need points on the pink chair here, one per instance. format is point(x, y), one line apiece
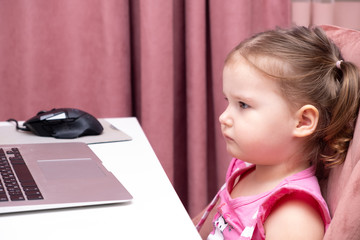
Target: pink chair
point(343, 187)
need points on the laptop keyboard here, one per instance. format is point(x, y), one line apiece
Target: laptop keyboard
point(16, 181)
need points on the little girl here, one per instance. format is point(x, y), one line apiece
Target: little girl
point(292, 105)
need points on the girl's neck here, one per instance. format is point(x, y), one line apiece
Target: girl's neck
point(276, 173)
point(264, 178)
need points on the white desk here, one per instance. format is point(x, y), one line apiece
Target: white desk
point(155, 212)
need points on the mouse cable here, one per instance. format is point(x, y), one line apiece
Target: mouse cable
point(17, 125)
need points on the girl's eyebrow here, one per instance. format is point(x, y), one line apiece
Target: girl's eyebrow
point(242, 97)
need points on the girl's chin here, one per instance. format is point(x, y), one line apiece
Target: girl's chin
point(233, 153)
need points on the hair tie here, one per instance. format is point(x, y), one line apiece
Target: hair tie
point(338, 64)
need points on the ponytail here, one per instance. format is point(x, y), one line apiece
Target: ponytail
point(339, 131)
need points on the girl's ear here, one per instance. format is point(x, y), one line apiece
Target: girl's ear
point(307, 118)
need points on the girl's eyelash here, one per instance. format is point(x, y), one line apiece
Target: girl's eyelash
point(243, 105)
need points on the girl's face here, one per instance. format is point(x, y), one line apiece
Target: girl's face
point(257, 123)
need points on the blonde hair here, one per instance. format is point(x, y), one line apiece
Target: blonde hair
point(306, 64)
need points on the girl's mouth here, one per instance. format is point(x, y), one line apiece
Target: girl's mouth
point(227, 138)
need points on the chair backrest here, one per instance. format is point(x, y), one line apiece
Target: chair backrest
point(343, 187)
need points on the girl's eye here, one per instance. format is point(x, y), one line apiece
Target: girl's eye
point(243, 105)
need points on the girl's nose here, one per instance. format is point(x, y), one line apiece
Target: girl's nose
point(225, 118)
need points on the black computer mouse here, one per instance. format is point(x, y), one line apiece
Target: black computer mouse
point(64, 123)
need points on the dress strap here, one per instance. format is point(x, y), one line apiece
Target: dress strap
point(209, 208)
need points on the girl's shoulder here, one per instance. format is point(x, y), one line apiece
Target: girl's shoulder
point(296, 217)
point(295, 204)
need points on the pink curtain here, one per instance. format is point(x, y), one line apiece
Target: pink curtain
point(343, 13)
point(159, 60)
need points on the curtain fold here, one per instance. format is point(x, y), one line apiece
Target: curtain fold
point(159, 60)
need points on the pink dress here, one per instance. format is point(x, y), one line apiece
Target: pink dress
point(244, 217)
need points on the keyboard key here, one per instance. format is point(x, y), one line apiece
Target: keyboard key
point(3, 198)
point(35, 197)
point(30, 188)
point(18, 197)
point(23, 173)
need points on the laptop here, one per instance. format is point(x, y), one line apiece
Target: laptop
point(44, 176)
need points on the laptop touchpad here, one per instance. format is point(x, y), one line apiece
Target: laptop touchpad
point(70, 168)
